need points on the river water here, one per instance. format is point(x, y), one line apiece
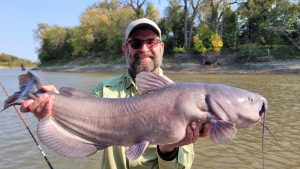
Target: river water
point(17, 149)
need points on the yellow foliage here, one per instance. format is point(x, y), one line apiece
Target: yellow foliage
point(216, 42)
point(198, 45)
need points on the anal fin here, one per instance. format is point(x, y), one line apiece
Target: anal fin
point(64, 142)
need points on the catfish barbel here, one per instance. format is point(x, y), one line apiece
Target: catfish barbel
point(81, 124)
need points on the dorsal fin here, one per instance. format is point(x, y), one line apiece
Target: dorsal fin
point(69, 91)
point(147, 82)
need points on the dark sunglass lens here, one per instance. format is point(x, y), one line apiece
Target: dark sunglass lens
point(151, 42)
point(136, 44)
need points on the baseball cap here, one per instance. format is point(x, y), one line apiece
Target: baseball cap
point(142, 22)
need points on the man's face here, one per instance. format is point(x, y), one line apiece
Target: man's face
point(143, 51)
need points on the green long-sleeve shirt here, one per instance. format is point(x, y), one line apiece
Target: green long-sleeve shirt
point(114, 157)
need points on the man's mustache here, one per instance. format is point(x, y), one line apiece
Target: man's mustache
point(142, 54)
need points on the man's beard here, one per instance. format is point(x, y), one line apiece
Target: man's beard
point(137, 66)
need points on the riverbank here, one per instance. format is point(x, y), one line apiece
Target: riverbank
point(274, 67)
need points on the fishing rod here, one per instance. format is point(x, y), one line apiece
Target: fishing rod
point(28, 129)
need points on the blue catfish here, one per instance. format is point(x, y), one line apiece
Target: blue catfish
point(81, 124)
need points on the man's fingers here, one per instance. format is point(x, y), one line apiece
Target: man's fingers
point(196, 131)
point(44, 108)
point(189, 135)
point(49, 88)
point(48, 106)
point(204, 130)
point(38, 102)
point(25, 105)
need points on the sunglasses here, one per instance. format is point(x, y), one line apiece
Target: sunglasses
point(138, 43)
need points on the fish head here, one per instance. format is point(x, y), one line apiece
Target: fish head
point(237, 106)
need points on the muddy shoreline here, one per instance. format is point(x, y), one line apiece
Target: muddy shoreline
point(274, 67)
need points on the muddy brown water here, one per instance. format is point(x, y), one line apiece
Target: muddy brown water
point(17, 149)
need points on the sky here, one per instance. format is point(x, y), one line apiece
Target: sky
point(19, 19)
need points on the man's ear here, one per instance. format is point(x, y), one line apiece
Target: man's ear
point(162, 47)
point(124, 50)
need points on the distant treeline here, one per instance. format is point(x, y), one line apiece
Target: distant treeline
point(13, 61)
point(254, 28)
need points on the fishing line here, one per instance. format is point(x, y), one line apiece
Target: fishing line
point(28, 129)
point(263, 140)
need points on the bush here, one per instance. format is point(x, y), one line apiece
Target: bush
point(216, 42)
point(6, 58)
point(179, 50)
point(198, 45)
point(256, 53)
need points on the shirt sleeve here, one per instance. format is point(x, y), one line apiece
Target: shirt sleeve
point(184, 159)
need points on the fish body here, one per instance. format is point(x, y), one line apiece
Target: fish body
point(81, 124)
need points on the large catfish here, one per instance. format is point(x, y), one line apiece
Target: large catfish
point(81, 124)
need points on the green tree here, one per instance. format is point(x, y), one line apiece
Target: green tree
point(136, 6)
point(191, 10)
point(13, 61)
point(205, 31)
point(206, 40)
point(152, 13)
point(254, 15)
point(55, 42)
point(102, 28)
point(198, 44)
point(229, 28)
point(172, 26)
point(284, 21)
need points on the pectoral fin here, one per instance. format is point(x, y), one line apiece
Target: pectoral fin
point(135, 151)
point(221, 131)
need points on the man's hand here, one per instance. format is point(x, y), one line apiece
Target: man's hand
point(192, 134)
point(42, 106)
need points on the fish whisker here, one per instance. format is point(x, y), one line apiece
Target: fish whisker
point(266, 127)
point(263, 139)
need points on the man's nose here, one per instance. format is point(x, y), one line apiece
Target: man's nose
point(144, 47)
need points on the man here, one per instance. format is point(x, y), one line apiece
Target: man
point(143, 49)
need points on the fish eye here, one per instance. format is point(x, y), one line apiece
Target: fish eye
point(250, 99)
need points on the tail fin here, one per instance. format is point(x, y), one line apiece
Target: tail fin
point(28, 84)
point(12, 100)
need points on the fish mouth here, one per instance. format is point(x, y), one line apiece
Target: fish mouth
point(262, 113)
point(263, 110)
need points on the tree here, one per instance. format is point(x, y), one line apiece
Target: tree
point(207, 40)
point(213, 11)
point(172, 26)
point(152, 13)
point(55, 42)
point(229, 28)
point(254, 15)
point(284, 17)
point(102, 27)
point(137, 6)
point(216, 42)
point(193, 7)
